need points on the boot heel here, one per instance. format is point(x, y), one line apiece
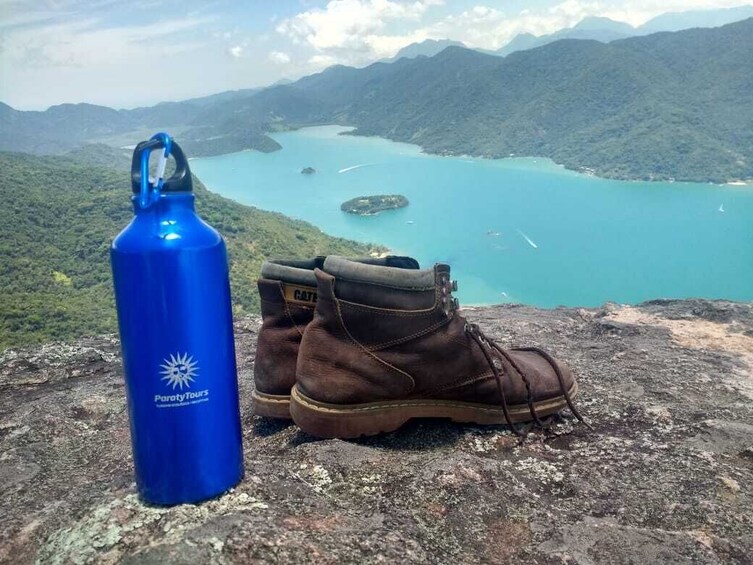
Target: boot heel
point(270, 405)
point(327, 421)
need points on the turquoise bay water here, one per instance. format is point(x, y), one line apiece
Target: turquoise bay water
point(513, 230)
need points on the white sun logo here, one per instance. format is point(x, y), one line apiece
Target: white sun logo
point(179, 370)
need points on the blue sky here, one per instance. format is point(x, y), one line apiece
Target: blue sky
point(139, 52)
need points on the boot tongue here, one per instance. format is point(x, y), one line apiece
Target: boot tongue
point(401, 262)
point(379, 286)
point(397, 261)
point(294, 272)
point(404, 278)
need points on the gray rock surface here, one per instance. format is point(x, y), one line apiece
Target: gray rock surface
point(667, 475)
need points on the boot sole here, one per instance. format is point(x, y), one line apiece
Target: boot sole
point(348, 421)
point(270, 405)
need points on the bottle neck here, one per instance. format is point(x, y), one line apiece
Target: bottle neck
point(168, 204)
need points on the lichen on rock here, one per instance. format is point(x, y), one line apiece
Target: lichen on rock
point(666, 475)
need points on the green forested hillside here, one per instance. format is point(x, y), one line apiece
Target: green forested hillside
point(668, 105)
point(57, 219)
point(656, 107)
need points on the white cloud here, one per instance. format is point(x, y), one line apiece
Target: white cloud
point(490, 28)
point(73, 50)
point(355, 30)
point(85, 43)
point(10, 19)
point(387, 45)
point(321, 61)
point(15, 13)
point(279, 58)
point(637, 12)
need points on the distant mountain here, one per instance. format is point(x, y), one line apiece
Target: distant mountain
point(598, 29)
point(58, 128)
point(669, 105)
point(426, 48)
point(64, 127)
point(604, 24)
point(58, 217)
point(520, 42)
point(606, 30)
point(223, 96)
point(662, 106)
point(676, 21)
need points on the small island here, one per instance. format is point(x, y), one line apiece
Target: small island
point(370, 205)
point(308, 171)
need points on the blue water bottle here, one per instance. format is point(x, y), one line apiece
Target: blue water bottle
point(172, 293)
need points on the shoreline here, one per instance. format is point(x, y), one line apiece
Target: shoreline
point(396, 238)
point(580, 171)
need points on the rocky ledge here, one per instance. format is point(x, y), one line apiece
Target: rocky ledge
point(666, 475)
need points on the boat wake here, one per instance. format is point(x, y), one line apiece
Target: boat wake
point(528, 239)
point(354, 167)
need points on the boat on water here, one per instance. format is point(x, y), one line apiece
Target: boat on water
point(528, 239)
point(721, 208)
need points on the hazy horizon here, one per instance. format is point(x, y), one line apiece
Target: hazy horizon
point(125, 56)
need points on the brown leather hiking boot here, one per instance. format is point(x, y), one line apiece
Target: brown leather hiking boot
point(388, 345)
point(288, 296)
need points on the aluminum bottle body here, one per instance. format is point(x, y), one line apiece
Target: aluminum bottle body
point(172, 293)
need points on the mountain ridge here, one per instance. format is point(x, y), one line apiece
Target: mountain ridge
point(425, 48)
point(593, 28)
point(677, 21)
point(645, 93)
point(617, 109)
point(606, 29)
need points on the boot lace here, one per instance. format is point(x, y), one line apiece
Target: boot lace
point(504, 364)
